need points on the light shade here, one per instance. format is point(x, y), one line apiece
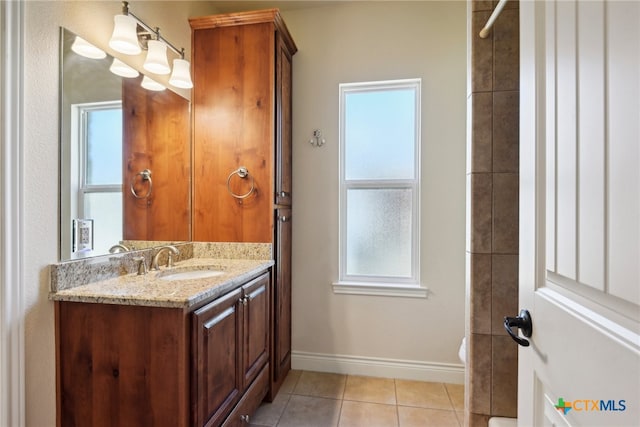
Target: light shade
point(156, 61)
point(181, 77)
point(86, 49)
point(151, 84)
point(119, 68)
point(125, 37)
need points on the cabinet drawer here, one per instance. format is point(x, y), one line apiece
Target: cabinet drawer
point(241, 415)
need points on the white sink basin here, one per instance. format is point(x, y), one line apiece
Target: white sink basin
point(190, 274)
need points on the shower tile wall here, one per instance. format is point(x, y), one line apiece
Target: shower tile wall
point(492, 222)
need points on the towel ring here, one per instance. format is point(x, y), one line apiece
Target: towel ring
point(145, 176)
point(242, 172)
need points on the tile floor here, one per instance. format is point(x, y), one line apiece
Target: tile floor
point(316, 399)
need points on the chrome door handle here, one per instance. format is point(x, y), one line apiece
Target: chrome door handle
point(522, 321)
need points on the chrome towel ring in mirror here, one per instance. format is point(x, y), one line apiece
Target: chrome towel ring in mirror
point(145, 176)
point(242, 172)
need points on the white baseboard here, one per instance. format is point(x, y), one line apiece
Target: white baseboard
point(451, 373)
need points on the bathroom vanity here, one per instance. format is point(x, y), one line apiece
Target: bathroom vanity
point(191, 350)
point(182, 346)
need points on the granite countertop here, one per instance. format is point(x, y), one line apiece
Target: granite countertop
point(151, 290)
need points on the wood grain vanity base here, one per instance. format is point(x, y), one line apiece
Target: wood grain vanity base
point(128, 365)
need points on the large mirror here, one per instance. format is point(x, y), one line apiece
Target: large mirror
point(124, 158)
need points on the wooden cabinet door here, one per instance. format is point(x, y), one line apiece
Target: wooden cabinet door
point(234, 126)
point(283, 124)
point(217, 377)
point(255, 304)
point(121, 365)
point(282, 297)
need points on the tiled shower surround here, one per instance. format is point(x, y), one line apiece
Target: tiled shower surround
point(492, 221)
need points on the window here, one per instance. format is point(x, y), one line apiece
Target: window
point(380, 188)
point(99, 173)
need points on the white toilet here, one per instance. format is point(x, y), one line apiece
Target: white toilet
point(462, 351)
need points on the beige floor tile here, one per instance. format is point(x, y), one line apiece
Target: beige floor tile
point(422, 394)
point(321, 384)
point(456, 394)
point(423, 417)
point(306, 411)
point(370, 389)
point(268, 414)
point(290, 381)
point(318, 399)
point(364, 414)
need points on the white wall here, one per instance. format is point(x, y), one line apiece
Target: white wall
point(367, 41)
point(94, 21)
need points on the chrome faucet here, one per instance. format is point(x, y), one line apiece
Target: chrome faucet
point(171, 251)
point(118, 248)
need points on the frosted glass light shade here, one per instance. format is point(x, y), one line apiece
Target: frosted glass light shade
point(119, 68)
point(151, 84)
point(125, 37)
point(86, 49)
point(181, 77)
point(156, 61)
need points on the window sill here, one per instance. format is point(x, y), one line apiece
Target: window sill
point(380, 289)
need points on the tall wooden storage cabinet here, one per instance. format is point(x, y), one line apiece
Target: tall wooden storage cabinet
point(242, 119)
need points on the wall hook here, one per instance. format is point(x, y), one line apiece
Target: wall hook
point(317, 140)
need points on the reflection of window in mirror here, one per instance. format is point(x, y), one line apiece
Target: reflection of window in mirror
point(97, 178)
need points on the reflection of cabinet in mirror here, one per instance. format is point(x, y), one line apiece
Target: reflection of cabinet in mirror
point(155, 138)
point(242, 117)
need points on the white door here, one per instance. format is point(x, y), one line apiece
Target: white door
point(580, 212)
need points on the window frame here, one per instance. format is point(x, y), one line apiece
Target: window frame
point(373, 284)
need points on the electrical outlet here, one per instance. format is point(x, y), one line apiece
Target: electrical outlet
point(82, 235)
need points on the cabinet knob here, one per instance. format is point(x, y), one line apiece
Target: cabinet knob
point(284, 218)
point(284, 194)
point(244, 418)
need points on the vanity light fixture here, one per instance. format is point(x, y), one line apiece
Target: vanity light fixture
point(150, 84)
point(181, 76)
point(131, 35)
point(86, 49)
point(125, 35)
point(121, 69)
point(156, 61)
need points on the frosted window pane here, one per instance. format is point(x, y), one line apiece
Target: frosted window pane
point(379, 134)
point(379, 232)
point(104, 147)
point(106, 211)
